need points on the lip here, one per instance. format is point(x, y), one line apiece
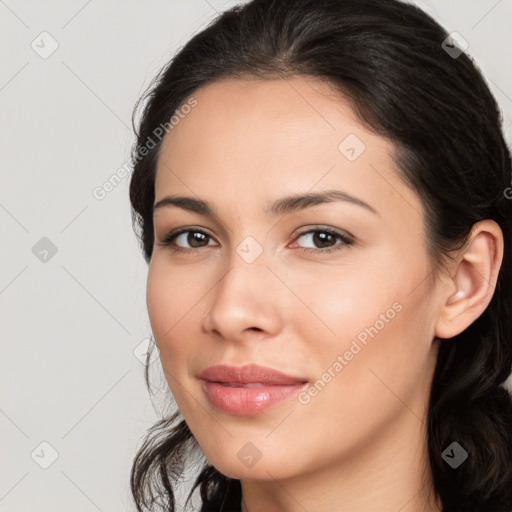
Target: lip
point(249, 389)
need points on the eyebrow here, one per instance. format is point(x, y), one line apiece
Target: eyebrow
point(281, 206)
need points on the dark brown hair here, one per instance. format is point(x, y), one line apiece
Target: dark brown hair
point(389, 60)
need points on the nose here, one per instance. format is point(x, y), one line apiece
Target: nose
point(245, 303)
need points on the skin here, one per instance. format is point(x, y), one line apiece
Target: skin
point(360, 441)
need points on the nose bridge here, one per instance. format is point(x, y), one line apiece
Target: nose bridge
point(244, 297)
point(246, 268)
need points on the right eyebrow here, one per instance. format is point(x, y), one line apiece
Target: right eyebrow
point(186, 203)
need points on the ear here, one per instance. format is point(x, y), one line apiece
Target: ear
point(472, 281)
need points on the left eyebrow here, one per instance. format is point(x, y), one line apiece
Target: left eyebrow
point(281, 206)
point(301, 201)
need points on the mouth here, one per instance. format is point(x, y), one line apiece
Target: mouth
point(249, 389)
point(248, 385)
point(249, 374)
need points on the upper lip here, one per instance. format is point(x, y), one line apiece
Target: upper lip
point(247, 374)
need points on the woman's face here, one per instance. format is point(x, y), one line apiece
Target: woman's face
point(335, 293)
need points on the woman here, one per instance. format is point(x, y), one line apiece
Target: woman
point(319, 191)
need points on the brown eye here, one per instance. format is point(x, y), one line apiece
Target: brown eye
point(187, 239)
point(323, 239)
point(194, 238)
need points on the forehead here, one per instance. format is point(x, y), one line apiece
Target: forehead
point(250, 140)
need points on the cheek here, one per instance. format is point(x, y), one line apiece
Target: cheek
point(372, 290)
point(370, 333)
point(341, 301)
point(383, 374)
point(170, 306)
point(170, 300)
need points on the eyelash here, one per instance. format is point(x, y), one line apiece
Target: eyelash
point(167, 241)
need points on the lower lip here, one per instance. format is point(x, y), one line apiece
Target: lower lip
point(248, 401)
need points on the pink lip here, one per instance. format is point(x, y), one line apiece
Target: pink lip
point(249, 389)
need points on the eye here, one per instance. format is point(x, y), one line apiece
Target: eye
point(325, 238)
point(195, 238)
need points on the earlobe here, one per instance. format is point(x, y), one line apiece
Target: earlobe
point(473, 278)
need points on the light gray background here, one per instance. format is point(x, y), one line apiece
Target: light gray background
point(69, 376)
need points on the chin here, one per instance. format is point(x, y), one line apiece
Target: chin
point(243, 465)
